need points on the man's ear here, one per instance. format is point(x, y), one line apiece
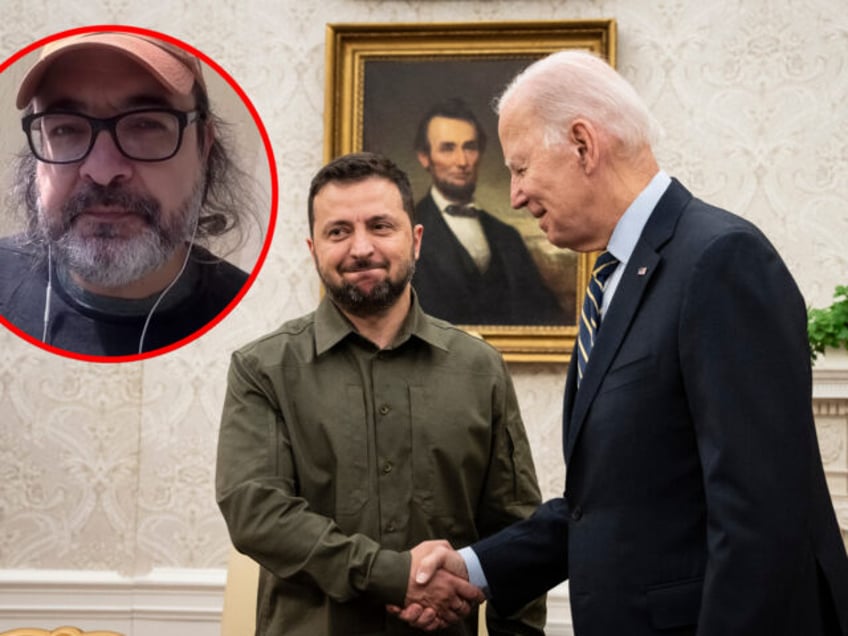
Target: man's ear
point(417, 233)
point(585, 140)
point(424, 159)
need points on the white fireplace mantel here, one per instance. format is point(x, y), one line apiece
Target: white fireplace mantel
point(830, 375)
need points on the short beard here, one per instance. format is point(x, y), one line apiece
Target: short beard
point(363, 305)
point(107, 259)
point(456, 193)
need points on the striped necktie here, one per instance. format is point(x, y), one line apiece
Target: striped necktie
point(590, 317)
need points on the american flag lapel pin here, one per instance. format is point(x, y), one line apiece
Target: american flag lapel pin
point(642, 271)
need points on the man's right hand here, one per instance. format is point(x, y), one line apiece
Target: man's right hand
point(438, 593)
point(438, 555)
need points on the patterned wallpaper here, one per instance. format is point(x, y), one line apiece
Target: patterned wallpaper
point(111, 466)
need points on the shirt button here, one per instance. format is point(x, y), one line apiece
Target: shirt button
point(576, 513)
point(387, 467)
point(384, 409)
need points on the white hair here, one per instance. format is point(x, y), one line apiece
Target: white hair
point(575, 83)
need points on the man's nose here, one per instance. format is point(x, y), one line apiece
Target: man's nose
point(105, 164)
point(361, 244)
point(517, 198)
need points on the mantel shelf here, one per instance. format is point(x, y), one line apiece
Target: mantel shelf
point(830, 375)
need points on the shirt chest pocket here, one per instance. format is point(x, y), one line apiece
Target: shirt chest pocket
point(451, 439)
point(329, 445)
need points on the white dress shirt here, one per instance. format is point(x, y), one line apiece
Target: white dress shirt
point(468, 230)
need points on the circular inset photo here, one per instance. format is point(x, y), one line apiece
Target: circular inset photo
point(142, 193)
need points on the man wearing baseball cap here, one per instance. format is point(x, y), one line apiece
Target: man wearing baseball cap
point(123, 181)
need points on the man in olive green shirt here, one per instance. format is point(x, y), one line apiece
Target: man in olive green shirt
point(356, 432)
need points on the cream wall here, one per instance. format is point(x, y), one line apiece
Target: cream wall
point(110, 467)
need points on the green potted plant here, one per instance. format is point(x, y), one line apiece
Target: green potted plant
point(828, 327)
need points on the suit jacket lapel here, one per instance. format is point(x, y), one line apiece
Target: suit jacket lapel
point(641, 268)
point(613, 329)
point(568, 404)
point(451, 257)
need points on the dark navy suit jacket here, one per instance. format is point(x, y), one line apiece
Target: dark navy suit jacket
point(695, 497)
point(451, 287)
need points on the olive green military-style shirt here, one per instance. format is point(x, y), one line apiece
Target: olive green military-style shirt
point(336, 457)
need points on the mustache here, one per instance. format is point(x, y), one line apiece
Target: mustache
point(96, 195)
point(362, 264)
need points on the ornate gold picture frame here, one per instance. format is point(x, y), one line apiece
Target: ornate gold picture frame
point(381, 79)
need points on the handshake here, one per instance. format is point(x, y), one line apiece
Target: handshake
point(438, 593)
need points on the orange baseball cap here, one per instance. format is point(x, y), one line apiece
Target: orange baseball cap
point(176, 69)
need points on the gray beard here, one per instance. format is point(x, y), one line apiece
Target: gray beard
point(108, 260)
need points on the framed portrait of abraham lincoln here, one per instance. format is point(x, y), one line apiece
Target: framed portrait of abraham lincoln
point(423, 95)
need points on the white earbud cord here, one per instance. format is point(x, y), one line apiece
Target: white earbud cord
point(168, 288)
point(47, 294)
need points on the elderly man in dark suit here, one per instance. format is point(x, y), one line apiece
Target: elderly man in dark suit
point(473, 268)
point(695, 498)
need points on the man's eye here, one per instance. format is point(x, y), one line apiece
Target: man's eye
point(55, 130)
point(383, 227)
point(146, 124)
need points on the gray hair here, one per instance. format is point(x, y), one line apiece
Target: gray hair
point(575, 83)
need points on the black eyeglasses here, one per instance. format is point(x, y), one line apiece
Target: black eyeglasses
point(150, 134)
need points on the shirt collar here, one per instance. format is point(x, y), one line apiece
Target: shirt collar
point(629, 227)
point(331, 327)
point(442, 202)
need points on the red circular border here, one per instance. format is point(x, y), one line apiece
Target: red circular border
point(272, 217)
